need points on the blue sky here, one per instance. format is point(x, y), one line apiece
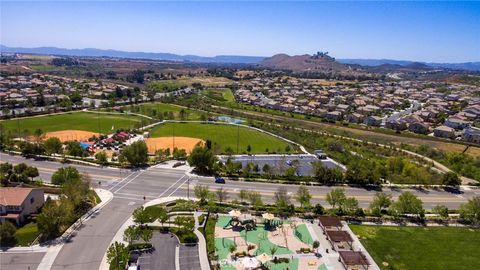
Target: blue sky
point(422, 31)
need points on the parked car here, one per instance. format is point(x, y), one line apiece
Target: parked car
point(178, 164)
point(219, 180)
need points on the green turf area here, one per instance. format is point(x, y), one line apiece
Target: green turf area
point(163, 110)
point(292, 265)
point(93, 122)
point(421, 248)
point(259, 237)
point(27, 234)
point(222, 245)
point(221, 95)
point(302, 233)
point(224, 136)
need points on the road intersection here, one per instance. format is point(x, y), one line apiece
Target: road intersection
point(132, 188)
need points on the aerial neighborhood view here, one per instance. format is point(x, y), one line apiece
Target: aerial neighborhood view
point(239, 135)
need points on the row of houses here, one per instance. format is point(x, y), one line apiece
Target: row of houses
point(417, 106)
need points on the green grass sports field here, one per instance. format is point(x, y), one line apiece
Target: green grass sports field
point(155, 109)
point(78, 120)
point(225, 136)
point(419, 248)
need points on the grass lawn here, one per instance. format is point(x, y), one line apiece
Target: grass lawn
point(303, 234)
point(77, 120)
point(421, 248)
point(221, 95)
point(225, 136)
point(149, 108)
point(26, 234)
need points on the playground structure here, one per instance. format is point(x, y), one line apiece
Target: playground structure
point(275, 238)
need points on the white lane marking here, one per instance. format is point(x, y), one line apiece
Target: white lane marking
point(129, 181)
point(131, 203)
point(128, 198)
point(171, 186)
point(177, 188)
point(121, 181)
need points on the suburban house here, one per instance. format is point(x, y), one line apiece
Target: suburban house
point(471, 135)
point(419, 127)
point(456, 123)
point(334, 116)
point(17, 203)
point(355, 118)
point(444, 132)
point(375, 121)
point(396, 124)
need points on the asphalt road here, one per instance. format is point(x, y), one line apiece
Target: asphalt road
point(87, 248)
point(430, 197)
point(20, 261)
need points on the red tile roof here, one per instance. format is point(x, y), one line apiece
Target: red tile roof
point(13, 195)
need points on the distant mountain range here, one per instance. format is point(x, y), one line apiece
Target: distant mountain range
point(134, 55)
point(472, 66)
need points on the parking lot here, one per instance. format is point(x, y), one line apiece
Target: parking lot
point(163, 256)
point(282, 162)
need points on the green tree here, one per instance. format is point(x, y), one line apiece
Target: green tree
point(255, 199)
point(64, 174)
point(350, 206)
point(470, 211)
point(146, 235)
point(31, 172)
point(54, 217)
point(185, 223)
point(131, 234)
point(142, 216)
point(441, 211)
point(101, 157)
point(336, 197)
point(117, 256)
point(7, 234)
point(136, 153)
point(282, 199)
point(77, 192)
point(303, 196)
point(202, 158)
point(381, 202)
point(407, 203)
point(451, 179)
point(267, 169)
point(74, 149)
point(202, 193)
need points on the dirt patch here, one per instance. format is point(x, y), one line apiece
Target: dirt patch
point(186, 143)
point(71, 135)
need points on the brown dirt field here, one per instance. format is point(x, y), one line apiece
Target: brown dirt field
point(71, 135)
point(186, 143)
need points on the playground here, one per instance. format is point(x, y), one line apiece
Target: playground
point(243, 241)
